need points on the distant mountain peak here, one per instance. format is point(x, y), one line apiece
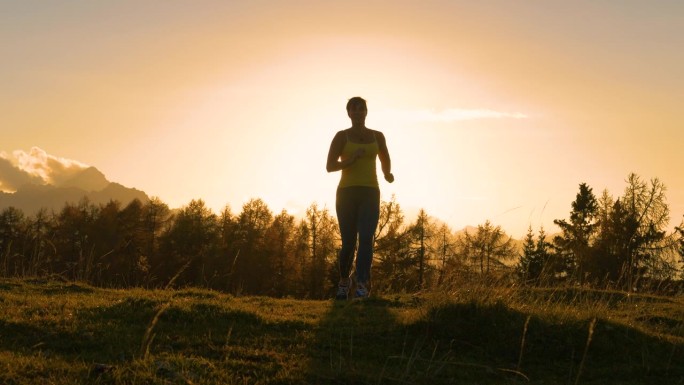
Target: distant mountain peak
point(90, 179)
point(89, 183)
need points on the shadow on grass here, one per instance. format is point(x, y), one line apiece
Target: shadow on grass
point(351, 340)
point(555, 350)
point(228, 344)
point(210, 338)
point(103, 333)
point(475, 343)
point(609, 298)
point(369, 342)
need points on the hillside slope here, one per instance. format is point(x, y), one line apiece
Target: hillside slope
point(69, 333)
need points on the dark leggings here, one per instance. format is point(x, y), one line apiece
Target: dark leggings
point(358, 211)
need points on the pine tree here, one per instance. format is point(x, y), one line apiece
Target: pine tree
point(576, 234)
point(544, 259)
point(536, 263)
point(527, 269)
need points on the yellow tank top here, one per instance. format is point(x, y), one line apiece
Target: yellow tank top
point(362, 172)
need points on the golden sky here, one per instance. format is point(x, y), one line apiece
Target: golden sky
point(492, 110)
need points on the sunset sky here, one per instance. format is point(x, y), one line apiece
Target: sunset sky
point(492, 109)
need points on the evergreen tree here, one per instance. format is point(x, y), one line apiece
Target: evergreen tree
point(536, 264)
point(574, 242)
point(545, 259)
point(528, 268)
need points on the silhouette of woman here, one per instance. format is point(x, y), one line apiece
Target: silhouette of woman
point(353, 151)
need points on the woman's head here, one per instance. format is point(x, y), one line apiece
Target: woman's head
point(355, 103)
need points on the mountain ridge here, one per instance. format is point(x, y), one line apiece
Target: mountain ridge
point(90, 184)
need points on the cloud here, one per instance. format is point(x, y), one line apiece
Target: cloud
point(447, 115)
point(35, 167)
point(455, 114)
point(12, 177)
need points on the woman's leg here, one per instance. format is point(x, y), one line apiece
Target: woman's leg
point(368, 215)
point(347, 218)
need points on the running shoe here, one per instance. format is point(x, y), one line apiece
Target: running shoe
point(342, 292)
point(361, 291)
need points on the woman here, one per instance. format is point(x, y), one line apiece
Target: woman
point(353, 151)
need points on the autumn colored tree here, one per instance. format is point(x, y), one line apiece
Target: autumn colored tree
point(392, 257)
point(12, 233)
point(680, 240)
point(229, 249)
point(446, 250)
point(108, 265)
point(189, 247)
point(133, 243)
point(416, 254)
point(487, 249)
point(156, 218)
point(302, 259)
point(646, 215)
point(253, 267)
point(605, 241)
point(73, 240)
point(280, 244)
point(629, 241)
point(324, 243)
point(39, 248)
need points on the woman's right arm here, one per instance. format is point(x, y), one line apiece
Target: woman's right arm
point(336, 146)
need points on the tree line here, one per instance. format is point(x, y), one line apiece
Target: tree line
point(609, 242)
point(618, 242)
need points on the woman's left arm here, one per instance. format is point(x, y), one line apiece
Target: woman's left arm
point(383, 154)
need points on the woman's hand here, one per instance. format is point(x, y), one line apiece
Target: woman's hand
point(389, 177)
point(354, 156)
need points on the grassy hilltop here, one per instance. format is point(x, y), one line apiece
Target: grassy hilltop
point(70, 333)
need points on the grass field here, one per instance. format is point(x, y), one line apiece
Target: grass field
point(70, 333)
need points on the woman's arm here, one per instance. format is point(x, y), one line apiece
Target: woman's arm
point(383, 155)
point(336, 146)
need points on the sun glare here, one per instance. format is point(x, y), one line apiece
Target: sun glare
point(277, 148)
